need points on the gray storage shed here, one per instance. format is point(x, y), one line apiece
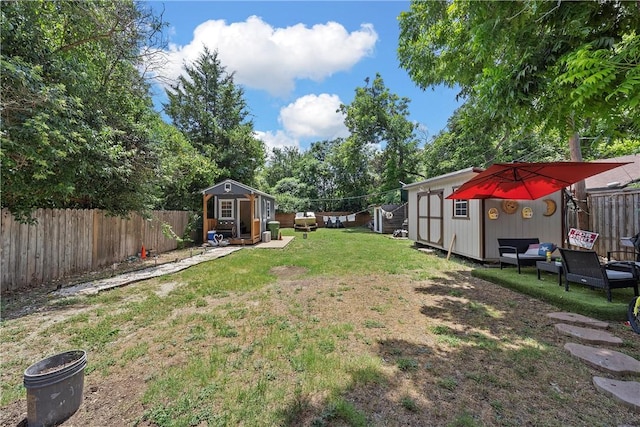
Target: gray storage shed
point(470, 228)
point(237, 211)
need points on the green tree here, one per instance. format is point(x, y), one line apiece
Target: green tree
point(472, 139)
point(377, 119)
point(183, 171)
point(350, 161)
point(319, 174)
point(291, 195)
point(302, 181)
point(604, 75)
point(75, 106)
point(489, 51)
point(282, 163)
point(210, 110)
point(521, 60)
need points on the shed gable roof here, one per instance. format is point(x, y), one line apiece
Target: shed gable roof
point(459, 174)
point(236, 188)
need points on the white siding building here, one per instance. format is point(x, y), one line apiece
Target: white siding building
point(471, 227)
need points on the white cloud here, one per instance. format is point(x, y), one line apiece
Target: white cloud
point(314, 116)
point(272, 59)
point(277, 139)
point(308, 117)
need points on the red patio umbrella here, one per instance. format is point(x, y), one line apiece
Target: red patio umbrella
point(527, 181)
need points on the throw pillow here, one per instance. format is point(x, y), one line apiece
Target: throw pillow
point(533, 249)
point(544, 247)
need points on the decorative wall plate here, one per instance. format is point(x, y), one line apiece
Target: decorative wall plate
point(551, 207)
point(493, 213)
point(527, 212)
point(510, 206)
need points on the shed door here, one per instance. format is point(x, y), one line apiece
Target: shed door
point(244, 217)
point(377, 220)
point(430, 219)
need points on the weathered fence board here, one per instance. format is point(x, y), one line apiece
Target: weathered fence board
point(63, 242)
point(612, 216)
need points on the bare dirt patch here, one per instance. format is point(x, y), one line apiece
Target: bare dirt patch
point(166, 288)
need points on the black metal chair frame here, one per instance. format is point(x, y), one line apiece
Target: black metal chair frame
point(584, 267)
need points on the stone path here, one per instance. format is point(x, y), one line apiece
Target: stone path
point(580, 319)
point(605, 359)
point(611, 361)
point(94, 287)
point(594, 336)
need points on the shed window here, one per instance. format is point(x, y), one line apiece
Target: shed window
point(226, 209)
point(268, 209)
point(460, 208)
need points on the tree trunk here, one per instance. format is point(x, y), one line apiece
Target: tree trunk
point(580, 186)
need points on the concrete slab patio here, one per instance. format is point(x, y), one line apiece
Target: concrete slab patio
point(274, 244)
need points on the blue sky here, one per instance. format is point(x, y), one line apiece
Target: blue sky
point(298, 60)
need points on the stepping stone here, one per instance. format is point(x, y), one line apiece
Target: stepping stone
point(602, 358)
point(578, 318)
point(594, 336)
point(626, 392)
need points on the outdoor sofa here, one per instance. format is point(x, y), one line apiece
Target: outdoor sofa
point(521, 252)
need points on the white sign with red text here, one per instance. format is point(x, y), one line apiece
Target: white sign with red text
point(581, 238)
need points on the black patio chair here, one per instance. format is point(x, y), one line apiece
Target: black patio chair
point(629, 242)
point(584, 267)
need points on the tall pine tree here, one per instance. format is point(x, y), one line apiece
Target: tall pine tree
point(210, 109)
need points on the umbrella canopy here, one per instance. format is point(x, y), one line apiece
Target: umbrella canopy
point(527, 181)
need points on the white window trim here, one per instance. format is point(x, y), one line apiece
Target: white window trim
point(220, 201)
point(455, 205)
point(268, 208)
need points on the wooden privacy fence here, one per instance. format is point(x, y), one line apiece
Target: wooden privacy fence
point(66, 241)
point(612, 216)
point(287, 219)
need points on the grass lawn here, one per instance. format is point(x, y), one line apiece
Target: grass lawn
point(346, 327)
point(580, 299)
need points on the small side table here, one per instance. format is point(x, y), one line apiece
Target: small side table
point(552, 267)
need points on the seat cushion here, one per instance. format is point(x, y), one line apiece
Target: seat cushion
point(617, 275)
point(532, 256)
point(526, 255)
